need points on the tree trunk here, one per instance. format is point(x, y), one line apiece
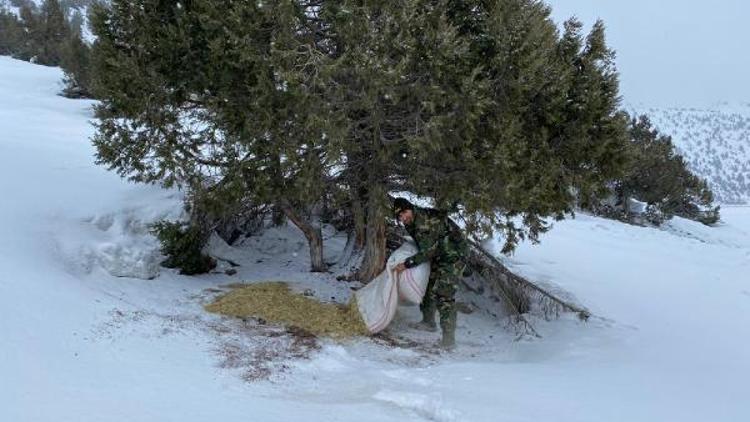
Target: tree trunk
point(312, 232)
point(347, 252)
point(355, 240)
point(316, 252)
point(277, 216)
point(277, 212)
point(373, 261)
point(358, 215)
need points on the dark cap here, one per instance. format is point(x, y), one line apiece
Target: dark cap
point(401, 204)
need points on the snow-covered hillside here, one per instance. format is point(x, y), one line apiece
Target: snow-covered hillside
point(716, 143)
point(668, 340)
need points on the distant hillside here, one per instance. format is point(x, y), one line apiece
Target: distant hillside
point(716, 143)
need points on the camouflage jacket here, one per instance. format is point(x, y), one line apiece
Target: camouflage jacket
point(436, 240)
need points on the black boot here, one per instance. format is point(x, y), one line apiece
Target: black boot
point(428, 309)
point(448, 326)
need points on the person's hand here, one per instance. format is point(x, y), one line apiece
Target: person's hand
point(399, 268)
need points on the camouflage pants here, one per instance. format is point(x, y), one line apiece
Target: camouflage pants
point(440, 294)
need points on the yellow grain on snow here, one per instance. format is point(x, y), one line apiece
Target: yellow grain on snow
point(274, 302)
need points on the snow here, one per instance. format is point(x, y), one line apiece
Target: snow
point(6, 5)
point(714, 141)
point(85, 340)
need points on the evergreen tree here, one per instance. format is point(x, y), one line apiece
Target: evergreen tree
point(394, 76)
point(43, 33)
point(214, 96)
point(480, 105)
point(75, 62)
point(11, 33)
point(32, 30)
point(53, 32)
point(659, 176)
point(46, 37)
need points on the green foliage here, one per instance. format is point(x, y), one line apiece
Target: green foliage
point(11, 33)
point(45, 36)
point(52, 31)
point(657, 175)
point(197, 86)
point(43, 31)
point(210, 96)
point(482, 105)
point(479, 105)
point(29, 46)
point(75, 62)
point(182, 243)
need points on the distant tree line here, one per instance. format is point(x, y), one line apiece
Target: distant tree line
point(47, 35)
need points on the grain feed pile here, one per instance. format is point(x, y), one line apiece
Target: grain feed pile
point(274, 302)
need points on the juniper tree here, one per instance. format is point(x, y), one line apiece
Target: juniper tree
point(31, 30)
point(481, 106)
point(11, 33)
point(658, 175)
point(383, 78)
point(75, 62)
point(43, 33)
point(551, 135)
point(53, 32)
point(214, 96)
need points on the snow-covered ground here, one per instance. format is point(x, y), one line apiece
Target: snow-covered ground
point(669, 340)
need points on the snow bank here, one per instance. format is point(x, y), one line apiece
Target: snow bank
point(119, 241)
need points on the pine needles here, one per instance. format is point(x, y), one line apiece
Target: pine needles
point(520, 296)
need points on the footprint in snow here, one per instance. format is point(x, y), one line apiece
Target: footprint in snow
point(427, 406)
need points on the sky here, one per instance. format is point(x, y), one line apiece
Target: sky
point(673, 52)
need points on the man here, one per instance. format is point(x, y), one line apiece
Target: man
point(444, 248)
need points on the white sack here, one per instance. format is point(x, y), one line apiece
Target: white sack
point(378, 300)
